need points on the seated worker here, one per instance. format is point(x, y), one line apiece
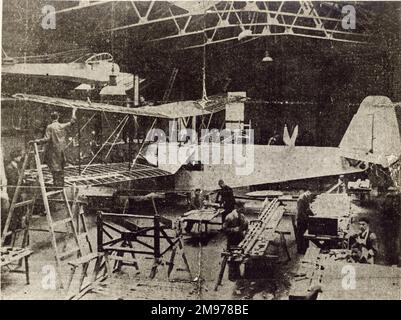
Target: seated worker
point(12, 171)
point(225, 197)
point(303, 213)
point(197, 202)
point(364, 244)
point(5, 202)
point(235, 227)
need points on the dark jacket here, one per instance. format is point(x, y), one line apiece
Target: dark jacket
point(12, 174)
point(303, 208)
point(235, 226)
point(225, 196)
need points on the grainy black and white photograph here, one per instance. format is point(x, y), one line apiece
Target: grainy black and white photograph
point(200, 150)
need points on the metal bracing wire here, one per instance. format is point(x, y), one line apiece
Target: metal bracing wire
point(117, 136)
point(104, 144)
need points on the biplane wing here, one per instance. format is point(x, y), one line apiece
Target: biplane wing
point(173, 110)
point(103, 174)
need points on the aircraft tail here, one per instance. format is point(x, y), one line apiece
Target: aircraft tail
point(290, 141)
point(374, 132)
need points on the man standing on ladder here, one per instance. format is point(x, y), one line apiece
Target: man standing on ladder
point(55, 138)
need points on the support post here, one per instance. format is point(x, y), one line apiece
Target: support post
point(136, 90)
point(99, 225)
point(79, 146)
point(156, 236)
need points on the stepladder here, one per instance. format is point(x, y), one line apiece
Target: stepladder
point(65, 239)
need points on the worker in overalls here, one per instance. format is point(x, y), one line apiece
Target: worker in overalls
point(235, 227)
point(13, 172)
point(5, 201)
point(225, 197)
point(364, 244)
point(303, 213)
point(55, 139)
point(391, 222)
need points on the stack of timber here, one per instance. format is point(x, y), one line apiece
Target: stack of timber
point(261, 234)
point(262, 231)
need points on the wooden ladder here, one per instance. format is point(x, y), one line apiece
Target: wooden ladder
point(47, 196)
point(89, 277)
point(81, 225)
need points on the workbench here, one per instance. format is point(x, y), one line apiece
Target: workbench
point(12, 256)
point(254, 250)
point(330, 271)
point(332, 206)
point(328, 242)
point(203, 217)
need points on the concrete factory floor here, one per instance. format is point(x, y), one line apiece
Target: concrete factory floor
point(204, 260)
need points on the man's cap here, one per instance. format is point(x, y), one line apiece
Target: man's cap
point(363, 219)
point(15, 153)
point(54, 115)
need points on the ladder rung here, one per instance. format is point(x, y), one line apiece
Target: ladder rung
point(62, 200)
point(61, 222)
point(23, 203)
point(84, 259)
point(46, 230)
point(122, 259)
point(68, 253)
point(51, 193)
point(129, 264)
point(119, 248)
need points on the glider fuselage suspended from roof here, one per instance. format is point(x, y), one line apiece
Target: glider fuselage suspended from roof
point(373, 136)
point(91, 69)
